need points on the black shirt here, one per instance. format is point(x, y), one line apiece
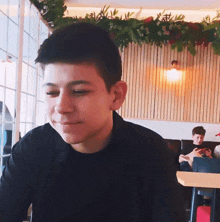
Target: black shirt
point(81, 188)
point(190, 147)
point(184, 166)
point(132, 179)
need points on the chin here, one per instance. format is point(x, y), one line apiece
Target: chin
point(197, 144)
point(71, 139)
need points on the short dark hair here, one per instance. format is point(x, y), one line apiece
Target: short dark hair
point(83, 43)
point(198, 130)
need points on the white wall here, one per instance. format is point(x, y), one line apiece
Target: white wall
point(178, 130)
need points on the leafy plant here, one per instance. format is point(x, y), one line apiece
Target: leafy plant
point(164, 29)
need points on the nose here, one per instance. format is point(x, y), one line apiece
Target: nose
point(64, 103)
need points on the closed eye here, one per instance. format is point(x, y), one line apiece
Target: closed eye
point(73, 93)
point(80, 92)
point(52, 93)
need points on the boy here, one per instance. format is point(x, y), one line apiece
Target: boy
point(87, 164)
point(196, 149)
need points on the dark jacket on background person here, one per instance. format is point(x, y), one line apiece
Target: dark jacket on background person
point(132, 179)
point(190, 147)
point(184, 166)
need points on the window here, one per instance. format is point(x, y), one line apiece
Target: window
point(21, 100)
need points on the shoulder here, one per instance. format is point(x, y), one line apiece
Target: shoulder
point(40, 134)
point(134, 133)
point(143, 136)
point(35, 141)
point(146, 149)
point(144, 144)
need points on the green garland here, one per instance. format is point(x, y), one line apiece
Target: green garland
point(165, 29)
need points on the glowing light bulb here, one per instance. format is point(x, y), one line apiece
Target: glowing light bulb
point(173, 75)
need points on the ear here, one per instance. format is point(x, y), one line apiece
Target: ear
point(118, 91)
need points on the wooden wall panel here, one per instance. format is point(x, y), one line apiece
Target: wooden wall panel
point(195, 97)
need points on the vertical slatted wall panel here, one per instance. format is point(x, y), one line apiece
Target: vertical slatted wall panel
point(196, 97)
point(217, 94)
point(139, 72)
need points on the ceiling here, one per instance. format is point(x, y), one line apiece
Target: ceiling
point(193, 10)
point(154, 4)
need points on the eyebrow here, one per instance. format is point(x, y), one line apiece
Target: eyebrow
point(73, 83)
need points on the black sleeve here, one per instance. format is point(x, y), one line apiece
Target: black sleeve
point(167, 198)
point(17, 182)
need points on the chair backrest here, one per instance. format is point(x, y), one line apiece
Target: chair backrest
point(206, 165)
point(186, 146)
point(174, 146)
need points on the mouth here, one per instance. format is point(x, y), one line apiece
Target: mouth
point(67, 127)
point(67, 123)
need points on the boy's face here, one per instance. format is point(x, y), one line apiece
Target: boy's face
point(78, 103)
point(197, 139)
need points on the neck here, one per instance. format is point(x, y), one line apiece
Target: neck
point(96, 142)
point(197, 144)
point(91, 146)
